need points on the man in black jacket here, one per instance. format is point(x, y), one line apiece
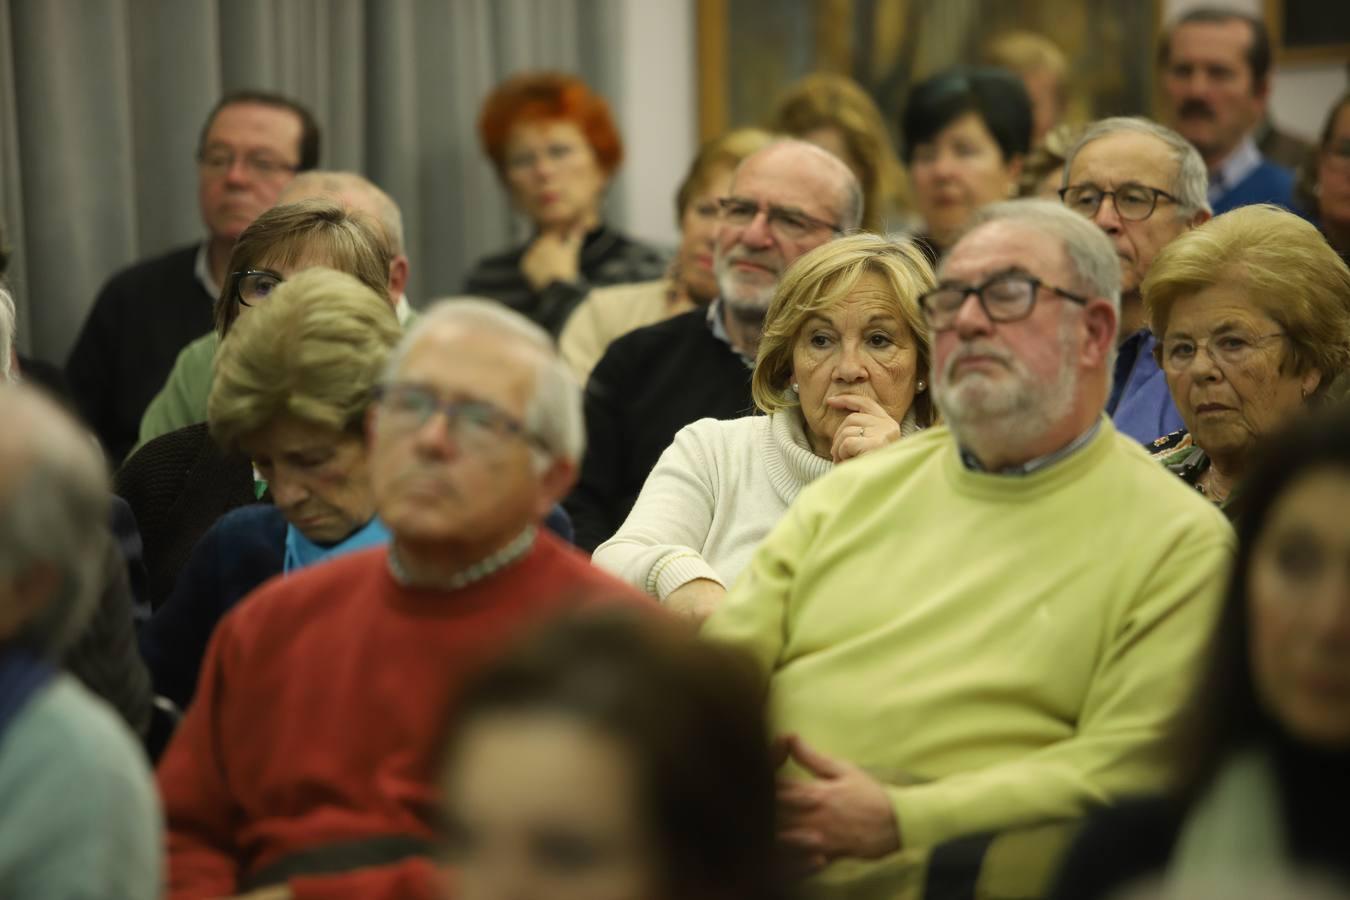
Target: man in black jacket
point(253, 143)
point(786, 199)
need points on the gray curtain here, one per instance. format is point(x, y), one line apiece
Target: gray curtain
point(101, 102)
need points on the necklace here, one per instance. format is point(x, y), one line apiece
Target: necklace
point(472, 574)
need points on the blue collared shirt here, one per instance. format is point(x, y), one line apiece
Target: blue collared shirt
point(718, 327)
point(1242, 162)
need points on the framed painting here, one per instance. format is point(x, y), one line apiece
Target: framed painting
point(1309, 30)
point(751, 50)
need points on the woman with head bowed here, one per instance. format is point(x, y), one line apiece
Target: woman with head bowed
point(1264, 751)
point(293, 380)
point(840, 373)
point(611, 757)
point(611, 312)
point(555, 148)
point(1253, 327)
point(964, 135)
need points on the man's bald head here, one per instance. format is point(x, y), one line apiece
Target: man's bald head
point(846, 196)
point(355, 192)
point(784, 200)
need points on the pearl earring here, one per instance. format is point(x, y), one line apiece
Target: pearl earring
point(794, 387)
point(920, 386)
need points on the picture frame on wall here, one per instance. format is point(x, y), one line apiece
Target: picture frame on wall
point(749, 51)
point(1309, 31)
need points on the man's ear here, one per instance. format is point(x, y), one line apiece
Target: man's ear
point(555, 483)
point(1198, 218)
point(1100, 321)
point(398, 277)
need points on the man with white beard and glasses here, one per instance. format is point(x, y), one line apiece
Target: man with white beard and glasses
point(988, 626)
point(786, 199)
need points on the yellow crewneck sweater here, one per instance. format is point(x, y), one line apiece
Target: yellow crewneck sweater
point(999, 650)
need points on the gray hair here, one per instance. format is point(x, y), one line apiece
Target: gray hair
point(356, 190)
point(1096, 267)
point(54, 506)
point(1190, 184)
point(554, 413)
point(8, 322)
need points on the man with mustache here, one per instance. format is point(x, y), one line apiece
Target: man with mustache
point(989, 626)
point(786, 199)
point(1216, 74)
point(1144, 186)
point(306, 765)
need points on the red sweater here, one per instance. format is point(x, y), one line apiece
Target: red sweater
point(319, 713)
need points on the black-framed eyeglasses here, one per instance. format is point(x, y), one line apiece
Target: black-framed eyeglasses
point(1134, 202)
point(786, 224)
point(475, 424)
point(217, 161)
point(1007, 297)
point(253, 286)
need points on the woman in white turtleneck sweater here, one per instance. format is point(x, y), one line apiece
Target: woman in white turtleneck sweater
point(841, 372)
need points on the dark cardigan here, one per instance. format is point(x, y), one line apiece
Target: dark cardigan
point(178, 485)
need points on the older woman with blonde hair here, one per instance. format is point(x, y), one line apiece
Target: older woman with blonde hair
point(839, 374)
point(293, 380)
point(835, 113)
point(1253, 326)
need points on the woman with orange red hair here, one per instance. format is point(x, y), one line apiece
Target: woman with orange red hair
point(555, 148)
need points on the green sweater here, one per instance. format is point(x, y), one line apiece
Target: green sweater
point(999, 650)
point(182, 400)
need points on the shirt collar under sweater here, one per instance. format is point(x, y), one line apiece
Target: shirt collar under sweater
point(719, 330)
point(787, 455)
point(971, 462)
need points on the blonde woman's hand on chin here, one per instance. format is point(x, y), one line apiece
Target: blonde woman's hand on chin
point(866, 427)
point(555, 255)
point(696, 600)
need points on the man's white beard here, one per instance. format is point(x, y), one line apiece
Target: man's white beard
point(1007, 413)
point(747, 301)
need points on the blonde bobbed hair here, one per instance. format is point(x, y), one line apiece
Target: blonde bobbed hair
point(823, 278)
point(314, 351)
point(1284, 267)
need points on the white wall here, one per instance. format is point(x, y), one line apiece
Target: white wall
point(658, 109)
point(1300, 95)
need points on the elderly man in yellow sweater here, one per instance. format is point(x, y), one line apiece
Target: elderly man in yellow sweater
point(989, 625)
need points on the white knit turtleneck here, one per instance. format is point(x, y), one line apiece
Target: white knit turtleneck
point(713, 496)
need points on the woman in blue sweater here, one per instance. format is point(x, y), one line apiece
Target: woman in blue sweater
point(292, 384)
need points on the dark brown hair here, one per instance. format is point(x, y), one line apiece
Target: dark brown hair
point(691, 715)
point(1224, 714)
point(309, 129)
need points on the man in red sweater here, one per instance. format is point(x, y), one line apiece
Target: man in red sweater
point(306, 765)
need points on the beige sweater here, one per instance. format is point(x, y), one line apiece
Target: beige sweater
point(611, 312)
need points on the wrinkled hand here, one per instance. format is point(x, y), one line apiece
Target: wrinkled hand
point(866, 427)
point(843, 812)
point(555, 255)
point(696, 600)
